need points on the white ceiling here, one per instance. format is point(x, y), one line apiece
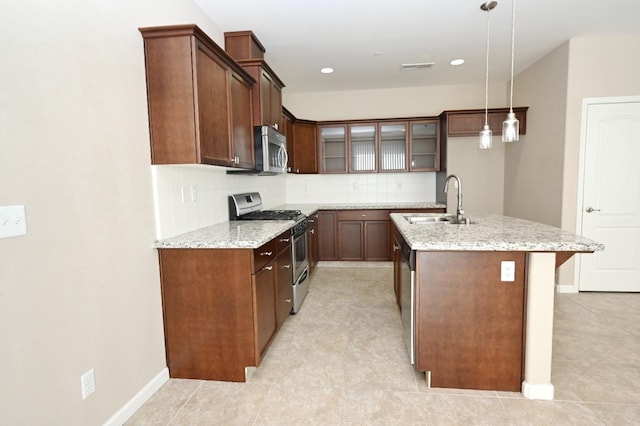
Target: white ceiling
point(302, 36)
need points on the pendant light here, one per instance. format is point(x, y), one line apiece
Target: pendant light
point(486, 135)
point(511, 126)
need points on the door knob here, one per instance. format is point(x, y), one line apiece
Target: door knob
point(591, 209)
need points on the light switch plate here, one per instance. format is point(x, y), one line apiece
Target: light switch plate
point(508, 270)
point(13, 222)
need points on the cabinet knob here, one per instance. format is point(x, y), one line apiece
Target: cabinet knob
point(310, 220)
point(266, 253)
point(313, 231)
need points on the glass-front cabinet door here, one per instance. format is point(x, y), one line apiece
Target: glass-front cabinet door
point(333, 144)
point(362, 139)
point(393, 147)
point(424, 145)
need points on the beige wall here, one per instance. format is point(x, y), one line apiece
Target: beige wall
point(481, 173)
point(390, 103)
point(541, 174)
point(81, 290)
point(533, 165)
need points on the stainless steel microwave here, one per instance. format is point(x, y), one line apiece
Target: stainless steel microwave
point(270, 150)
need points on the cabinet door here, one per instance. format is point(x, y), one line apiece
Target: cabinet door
point(265, 98)
point(285, 284)
point(376, 240)
point(312, 239)
point(333, 146)
point(362, 147)
point(241, 122)
point(291, 142)
point(275, 108)
point(264, 290)
point(305, 148)
point(327, 235)
point(213, 108)
point(393, 147)
point(425, 145)
point(350, 240)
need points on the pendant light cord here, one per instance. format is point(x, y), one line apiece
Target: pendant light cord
point(486, 80)
point(513, 42)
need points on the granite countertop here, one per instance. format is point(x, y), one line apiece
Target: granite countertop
point(309, 209)
point(233, 234)
point(491, 233)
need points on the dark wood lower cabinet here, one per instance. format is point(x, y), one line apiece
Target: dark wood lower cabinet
point(327, 235)
point(376, 240)
point(358, 235)
point(264, 291)
point(350, 240)
point(469, 324)
point(223, 307)
point(285, 284)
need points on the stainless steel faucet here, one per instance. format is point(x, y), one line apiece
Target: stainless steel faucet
point(459, 211)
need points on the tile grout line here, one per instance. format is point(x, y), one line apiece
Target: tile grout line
point(185, 403)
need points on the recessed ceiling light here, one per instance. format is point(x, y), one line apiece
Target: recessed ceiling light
point(326, 70)
point(456, 62)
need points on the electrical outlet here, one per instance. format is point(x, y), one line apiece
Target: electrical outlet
point(508, 270)
point(88, 382)
point(13, 222)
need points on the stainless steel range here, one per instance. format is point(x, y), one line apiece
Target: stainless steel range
point(248, 206)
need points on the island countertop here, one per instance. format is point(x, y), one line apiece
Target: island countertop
point(491, 233)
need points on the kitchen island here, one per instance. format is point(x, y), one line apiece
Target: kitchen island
point(477, 299)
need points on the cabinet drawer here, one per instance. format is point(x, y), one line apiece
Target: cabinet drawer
point(264, 254)
point(283, 242)
point(363, 215)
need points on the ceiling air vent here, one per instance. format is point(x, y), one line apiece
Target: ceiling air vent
point(418, 66)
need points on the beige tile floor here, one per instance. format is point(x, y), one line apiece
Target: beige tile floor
point(341, 361)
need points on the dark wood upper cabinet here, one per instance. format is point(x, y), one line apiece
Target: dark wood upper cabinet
point(247, 50)
point(470, 122)
point(199, 100)
point(305, 148)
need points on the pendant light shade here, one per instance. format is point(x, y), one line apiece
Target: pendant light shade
point(511, 126)
point(486, 135)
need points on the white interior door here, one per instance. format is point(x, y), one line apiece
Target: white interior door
point(611, 196)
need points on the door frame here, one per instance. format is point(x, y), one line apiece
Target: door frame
point(586, 102)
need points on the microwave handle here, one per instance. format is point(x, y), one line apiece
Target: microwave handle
point(284, 156)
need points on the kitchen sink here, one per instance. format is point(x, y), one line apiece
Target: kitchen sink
point(434, 220)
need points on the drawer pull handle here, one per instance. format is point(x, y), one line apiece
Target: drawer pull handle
point(287, 300)
point(284, 240)
point(287, 266)
point(266, 253)
point(268, 268)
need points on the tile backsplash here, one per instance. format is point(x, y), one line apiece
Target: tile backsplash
point(361, 188)
point(188, 197)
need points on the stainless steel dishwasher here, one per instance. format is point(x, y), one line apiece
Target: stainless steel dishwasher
point(407, 296)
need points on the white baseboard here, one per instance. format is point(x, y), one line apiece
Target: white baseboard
point(566, 289)
point(138, 400)
point(545, 392)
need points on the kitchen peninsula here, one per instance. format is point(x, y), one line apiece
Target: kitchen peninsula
point(477, 299)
